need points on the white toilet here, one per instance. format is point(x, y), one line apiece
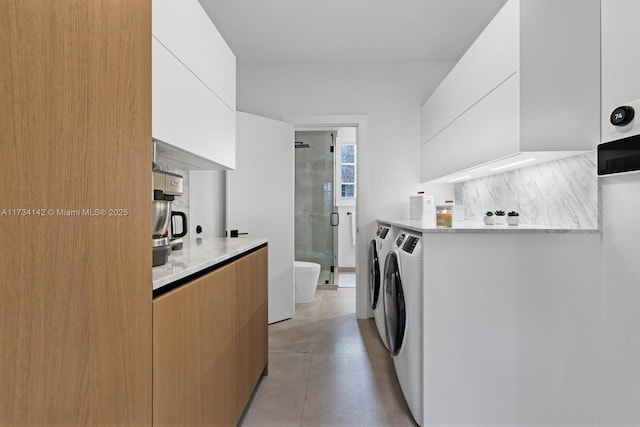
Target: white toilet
point(306, 280)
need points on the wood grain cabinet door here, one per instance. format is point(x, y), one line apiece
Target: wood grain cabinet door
point(75, 270)
point(251, 324)
point(194, 353)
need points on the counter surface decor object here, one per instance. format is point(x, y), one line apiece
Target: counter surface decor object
point(199, 254)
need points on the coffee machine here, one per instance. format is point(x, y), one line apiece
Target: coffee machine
point(166, 186)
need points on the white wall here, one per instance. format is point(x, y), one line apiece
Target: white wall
point(389, 94)
point(207, 203)
point(346, 250)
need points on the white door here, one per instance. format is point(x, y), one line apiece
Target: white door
point(260, 200)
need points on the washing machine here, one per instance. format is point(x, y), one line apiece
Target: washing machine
point(403, 316)
point(379, 247)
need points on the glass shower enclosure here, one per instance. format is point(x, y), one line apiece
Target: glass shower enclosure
point(316, 215)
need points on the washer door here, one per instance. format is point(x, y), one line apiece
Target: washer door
point(394, 307)
point(374, 274)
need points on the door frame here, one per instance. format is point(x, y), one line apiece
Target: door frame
point(359, 121)
point(334, 229)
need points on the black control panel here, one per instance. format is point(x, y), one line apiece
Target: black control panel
point(410, 244)
point(383, 233)
point(400, 239)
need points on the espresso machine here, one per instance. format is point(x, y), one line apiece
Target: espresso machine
point(166, 186)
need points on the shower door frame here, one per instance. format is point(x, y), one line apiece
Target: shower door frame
point(333, 259)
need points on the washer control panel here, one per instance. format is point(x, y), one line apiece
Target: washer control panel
point(410, 244)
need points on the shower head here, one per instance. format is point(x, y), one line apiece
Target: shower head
point(300, 144)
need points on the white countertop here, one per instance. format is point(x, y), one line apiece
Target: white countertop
point(480, 227)
point(199, 254)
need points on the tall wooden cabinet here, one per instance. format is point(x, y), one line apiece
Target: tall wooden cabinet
point(210, 345)
point(75, 296)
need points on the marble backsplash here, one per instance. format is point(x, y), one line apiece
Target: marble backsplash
point(561, 193)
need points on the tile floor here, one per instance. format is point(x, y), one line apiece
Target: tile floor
point(327, 368)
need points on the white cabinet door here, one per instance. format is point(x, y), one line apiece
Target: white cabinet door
point(437, 113)
point(185, 29)
point(487, 131)
point(490, 60)
point(186, 114)
point(260, 201)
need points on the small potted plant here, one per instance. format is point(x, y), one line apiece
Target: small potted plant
point(489, 219)
point(499, 217)
point(513, 218)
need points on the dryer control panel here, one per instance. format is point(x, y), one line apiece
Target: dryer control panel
point(410, 244)
point(382, 231)
point(400, 239)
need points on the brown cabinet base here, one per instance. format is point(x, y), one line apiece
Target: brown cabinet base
point(210, 345)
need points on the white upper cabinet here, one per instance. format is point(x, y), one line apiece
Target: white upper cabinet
point(530, 83)
point(188, 116)
point(194, 86)
point(185, 29)
point(491, 59)
point(494, 125)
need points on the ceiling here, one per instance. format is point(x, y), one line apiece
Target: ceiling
point(343, 31)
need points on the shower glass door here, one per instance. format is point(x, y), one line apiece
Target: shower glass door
point(315, 210)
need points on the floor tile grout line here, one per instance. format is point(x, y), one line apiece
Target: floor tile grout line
point(306, 388)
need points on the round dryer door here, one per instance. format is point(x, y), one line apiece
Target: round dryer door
point(374, 274)
point(394, 307)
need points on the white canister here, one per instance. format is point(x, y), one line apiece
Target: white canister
point(422, 208)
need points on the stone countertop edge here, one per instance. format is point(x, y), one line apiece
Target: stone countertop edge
point(480, 227)
point(199, 254)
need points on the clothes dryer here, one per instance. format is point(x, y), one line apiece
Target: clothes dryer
point(403, 316)
point(379, 247)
